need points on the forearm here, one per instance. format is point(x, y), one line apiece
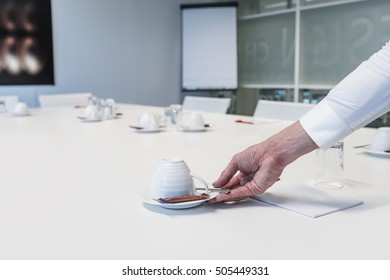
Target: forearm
point(361, 97)
point(289, 144)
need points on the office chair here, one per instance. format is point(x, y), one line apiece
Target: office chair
point(207, 104)
point(281, 110)
point(67, 99)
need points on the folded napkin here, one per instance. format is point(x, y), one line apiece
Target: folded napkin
point(308, 200)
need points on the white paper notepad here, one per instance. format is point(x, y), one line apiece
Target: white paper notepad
point(308, 200)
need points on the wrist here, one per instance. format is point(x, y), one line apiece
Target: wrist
point(290, 144)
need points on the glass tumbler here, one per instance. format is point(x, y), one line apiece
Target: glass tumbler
point(330, 167)
point(173, 117)
point(3, 109)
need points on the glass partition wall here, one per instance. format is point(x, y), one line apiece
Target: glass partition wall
point(291, 50)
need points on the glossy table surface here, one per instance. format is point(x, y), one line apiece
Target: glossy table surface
point(72, 190)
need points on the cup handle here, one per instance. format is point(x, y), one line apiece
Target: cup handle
point(201, 180)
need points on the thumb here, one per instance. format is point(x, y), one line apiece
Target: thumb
point(226, 174)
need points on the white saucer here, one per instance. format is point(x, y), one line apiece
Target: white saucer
point(87, 120)
point(117, 116)
point(21, 114)
point(375, 152)
point(193, 129)
point(148, 130)
point(181, 205)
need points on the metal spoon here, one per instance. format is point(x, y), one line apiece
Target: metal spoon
point(226, 191)
point(361, 146)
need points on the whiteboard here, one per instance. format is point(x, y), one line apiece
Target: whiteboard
point(209, 47)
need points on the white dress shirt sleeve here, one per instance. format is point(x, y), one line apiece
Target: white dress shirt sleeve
point(358, 99)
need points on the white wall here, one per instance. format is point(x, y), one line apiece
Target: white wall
point(125, 49)
point(159, 42)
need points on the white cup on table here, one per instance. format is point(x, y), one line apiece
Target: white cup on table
point(91, 113)
point(21, 109)
point(381, 140)
point(172, 178)
point(195, 121)
point(148, 120)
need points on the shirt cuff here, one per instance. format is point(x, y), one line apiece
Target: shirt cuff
point(324, 126)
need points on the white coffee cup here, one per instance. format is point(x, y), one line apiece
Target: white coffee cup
point(91, 113)
point(21, 109)
point(173, 178)
point(381, 139)
point(195, 121)
point(148, 120)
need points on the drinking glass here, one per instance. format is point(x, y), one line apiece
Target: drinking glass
point(3, 109)
point(173, 117)
point(330, 167)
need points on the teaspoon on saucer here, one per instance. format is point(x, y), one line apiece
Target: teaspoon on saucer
point(184, 198)
point(214, 190)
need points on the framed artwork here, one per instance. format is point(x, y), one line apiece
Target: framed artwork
point(26, 44)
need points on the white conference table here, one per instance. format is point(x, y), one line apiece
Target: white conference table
point(71, 190)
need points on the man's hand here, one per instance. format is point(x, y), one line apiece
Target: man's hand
point(258, 167)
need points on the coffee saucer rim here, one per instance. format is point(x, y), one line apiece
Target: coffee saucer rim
point(14, 114)
point(369, 150)
point(146, 198)
point(193, 129)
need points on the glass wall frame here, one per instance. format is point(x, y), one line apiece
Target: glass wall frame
point(314, 43)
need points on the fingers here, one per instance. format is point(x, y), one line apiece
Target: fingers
point(226, 178)
point(238, 180)
point(247, 162)
point(256, 175)
point(262, 180)
point(238, 193)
